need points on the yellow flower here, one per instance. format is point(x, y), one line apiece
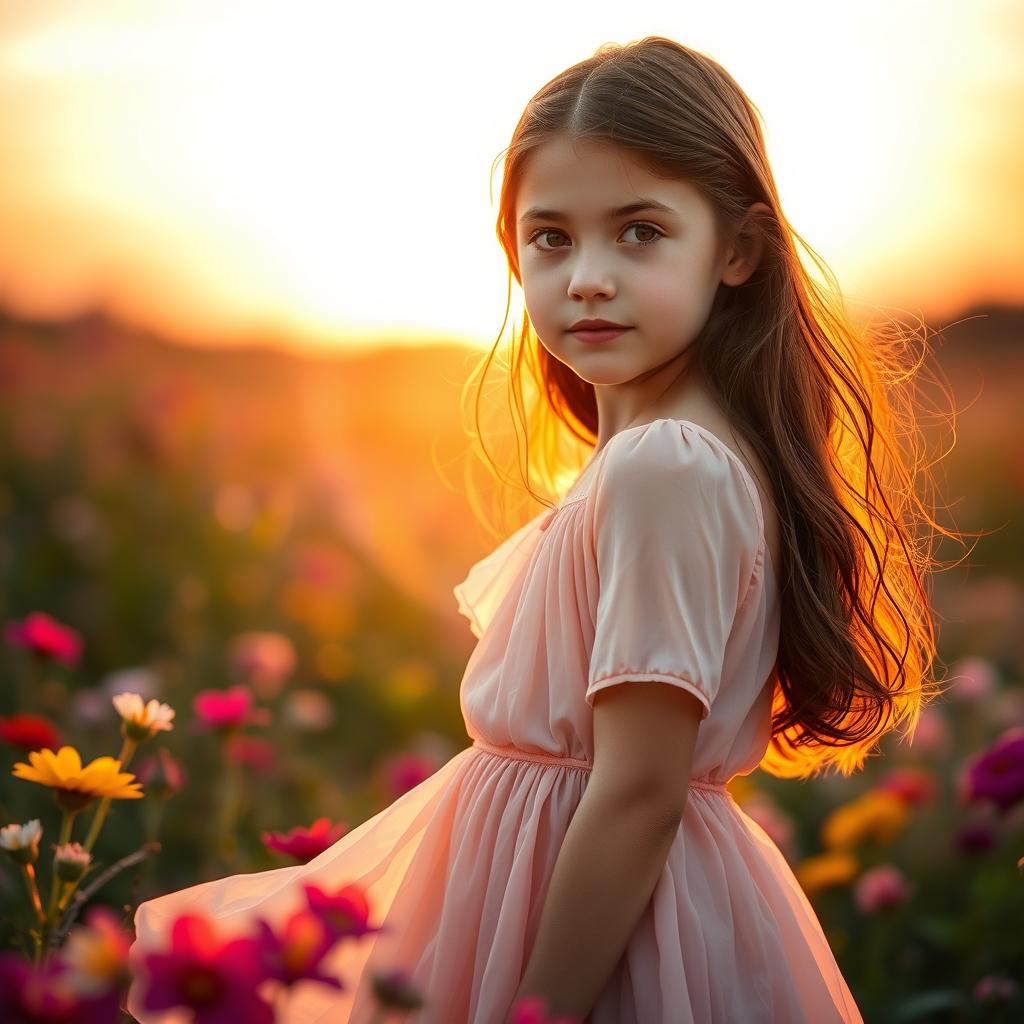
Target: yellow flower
point(76, 787)
point(828, 869)
point(140, 720)
point(877, 815)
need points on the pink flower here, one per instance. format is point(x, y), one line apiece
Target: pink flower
point(263, 660)
point(45, 637)
point(975, 678)
point(534, 1010)
point(994, 988)
point(774, 821)
point(913, 785)
point(214, 978)
point(226, 709)
point(931, 735)
point(296, 951)
point(345, 912)
point(30, 732)
point(46, 993)
point(406, 771)
point(252, 751)
point(881, 887)
point(97, 953)
point(305, 843)
point(161, 774)
point(996, 775)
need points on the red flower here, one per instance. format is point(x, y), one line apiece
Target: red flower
point(533, 1010)
point(227, 709)
point(912, 785)
point(406, 771)
point(45, 637)
point(305, 843)
point(214, 978)
point(252, 751)
point(345, 912)
point(295, 952)
point(30, 732)
point(44, 993)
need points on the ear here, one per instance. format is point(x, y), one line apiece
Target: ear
point(744, 253)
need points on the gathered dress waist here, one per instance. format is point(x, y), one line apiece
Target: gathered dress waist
point(518, 754)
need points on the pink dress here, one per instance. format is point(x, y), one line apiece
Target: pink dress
point(653, 567)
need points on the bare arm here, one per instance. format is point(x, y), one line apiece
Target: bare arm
point(617, 842)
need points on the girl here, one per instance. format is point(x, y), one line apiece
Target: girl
point(730, 583)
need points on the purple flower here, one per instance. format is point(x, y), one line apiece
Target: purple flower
point(44, 993)
point(215, 978)
point(997, 774)
point(294, 952)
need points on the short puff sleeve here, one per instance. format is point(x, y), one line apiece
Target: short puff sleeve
point(676, 540)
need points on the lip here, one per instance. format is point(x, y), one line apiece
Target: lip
point(605, 334)
point(596, 324)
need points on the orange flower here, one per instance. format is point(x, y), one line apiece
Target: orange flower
point(826, 870)
point(877, 815)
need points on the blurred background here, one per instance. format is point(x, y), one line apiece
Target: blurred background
point(247, 263)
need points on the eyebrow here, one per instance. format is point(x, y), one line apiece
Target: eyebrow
point(539, 213)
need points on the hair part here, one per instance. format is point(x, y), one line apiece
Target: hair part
point(857, 640)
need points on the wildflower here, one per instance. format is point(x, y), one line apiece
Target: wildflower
point(44, 993)
point(534, 1010)
point(76, 787)
point(252, 752)
point(213, 977)
point(263, 660)
point(305, 843)
point(975, 679)
point(880, 887)
point(913, 785)
point(406, 771)
point(395, 991)
point(931, 733)
point(71, 861)
point(226, 709)
point(346, 912)
point(141, 721)
point(22, 841)
point(876, 815)
point(96, 953)
point(295, 952)
point(975, 837)
point(161, 774)
point(30, 732)
point(994, 988)
point(996, 775)
point(45, 637)
point(825, 871)
point(309, 710)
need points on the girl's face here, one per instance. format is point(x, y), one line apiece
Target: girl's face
point(655, 270)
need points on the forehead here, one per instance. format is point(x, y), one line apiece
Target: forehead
point(585, 177)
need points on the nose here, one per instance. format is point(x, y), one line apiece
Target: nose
point(588, 279)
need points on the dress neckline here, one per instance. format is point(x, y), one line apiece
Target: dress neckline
point(716, 442)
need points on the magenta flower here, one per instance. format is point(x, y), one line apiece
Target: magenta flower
point(996, 775)
point(214, 978)
point(406, 771)
point(43, 993)
point(45, 637)
point(252, 751)
point(912, 785)
point(296, 951)
point(881, 887)
point(305, 843)
point(226, 709)
point(534, 1010)
point(975, 837)
point(345, 913)
point(161, 774)
point(994, 988)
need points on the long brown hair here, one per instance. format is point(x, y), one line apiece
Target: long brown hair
point(825, 404)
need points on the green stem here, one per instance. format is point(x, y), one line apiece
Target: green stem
point(66, 821)
point(127, 750)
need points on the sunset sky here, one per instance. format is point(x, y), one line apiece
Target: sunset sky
point(322, 170)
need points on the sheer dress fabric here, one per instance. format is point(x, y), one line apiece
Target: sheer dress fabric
point(653, 568)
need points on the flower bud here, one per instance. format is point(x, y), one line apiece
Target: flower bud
point(71, 861)
point(22, 841)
